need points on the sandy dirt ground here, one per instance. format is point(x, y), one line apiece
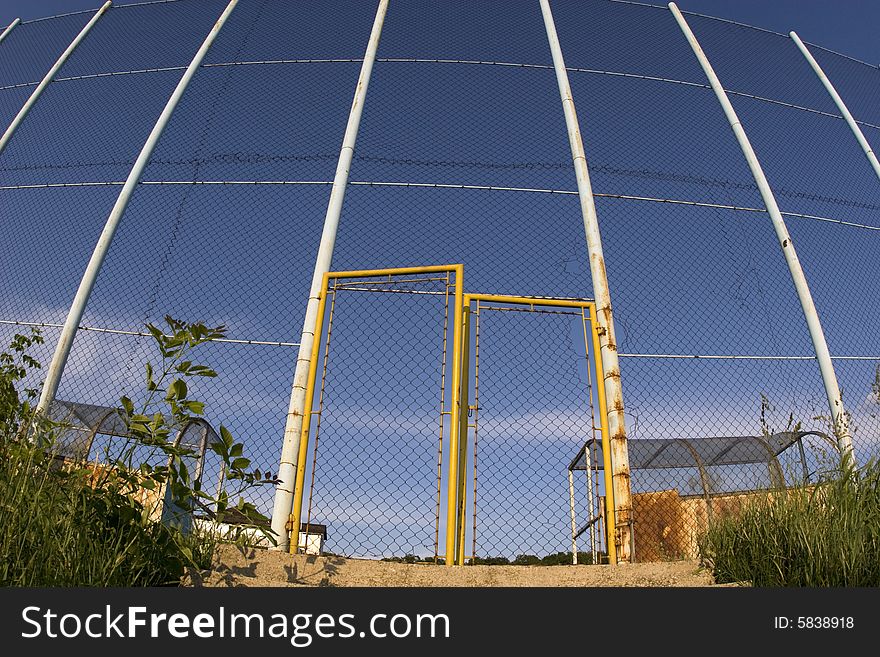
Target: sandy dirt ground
point(234, 567)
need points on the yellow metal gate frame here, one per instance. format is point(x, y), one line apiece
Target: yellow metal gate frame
point(588, 311)
point(457, 271)
point(458, 426)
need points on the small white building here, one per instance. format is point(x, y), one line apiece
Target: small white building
point(311, 538)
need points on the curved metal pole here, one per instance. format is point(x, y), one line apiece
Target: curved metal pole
point(704, 478)
point(96, 430)
point(71, 324)
point(841, 106)
point(608, 343)
point(803, 454)
point(203, 442)
point(800, 441)
point(839, 419)
point(290, 449)
point(777, 476)
point(173, 514)
point(9, 29)
point(29, 103)
point(819, 434)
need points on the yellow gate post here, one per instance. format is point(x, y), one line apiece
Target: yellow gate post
point(458, 270)
point(590, 306)
point(461, 496)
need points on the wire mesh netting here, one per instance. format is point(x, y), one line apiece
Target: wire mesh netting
point(532, 411)
point(462, 157)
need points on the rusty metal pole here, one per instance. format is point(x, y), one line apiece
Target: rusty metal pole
point(290, 449)
point(839, 418)
point(619, 452)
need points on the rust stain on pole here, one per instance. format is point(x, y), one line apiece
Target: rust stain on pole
point(620, 492)
point(620, 478)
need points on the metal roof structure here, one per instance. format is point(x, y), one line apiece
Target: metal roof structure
point(657, 453)
point(703, 454)
point(79, 424)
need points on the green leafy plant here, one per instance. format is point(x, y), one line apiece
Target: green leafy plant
point(15, 407)
point(67, 522)
point(165, 414)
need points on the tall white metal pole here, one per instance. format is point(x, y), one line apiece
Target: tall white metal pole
point(71, 324)
point(613, 392)
point(9, 29)
point(841, 106)
point(826, 367)
point(284, 492)
point(29, 103)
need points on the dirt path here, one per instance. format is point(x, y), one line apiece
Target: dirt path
point(258, 567)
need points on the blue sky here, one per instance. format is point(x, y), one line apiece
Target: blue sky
point(845, 25)
point(685, 280)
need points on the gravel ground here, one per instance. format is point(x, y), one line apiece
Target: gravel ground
point(257, 567)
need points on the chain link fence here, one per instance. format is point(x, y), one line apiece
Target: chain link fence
point(462, 157)
point(533, 409)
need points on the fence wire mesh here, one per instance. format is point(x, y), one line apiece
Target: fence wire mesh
point(462, 157)
point(533, 409)
point(376, 470)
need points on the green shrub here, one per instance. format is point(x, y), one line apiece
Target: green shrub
point(564, 558)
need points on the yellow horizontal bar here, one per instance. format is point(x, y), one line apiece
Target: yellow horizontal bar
point(431, 269)
point(402, 280)
point(529, 301)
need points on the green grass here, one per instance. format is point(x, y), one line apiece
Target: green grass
point(825, 535)
point(61, 527)
point(70, 523)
